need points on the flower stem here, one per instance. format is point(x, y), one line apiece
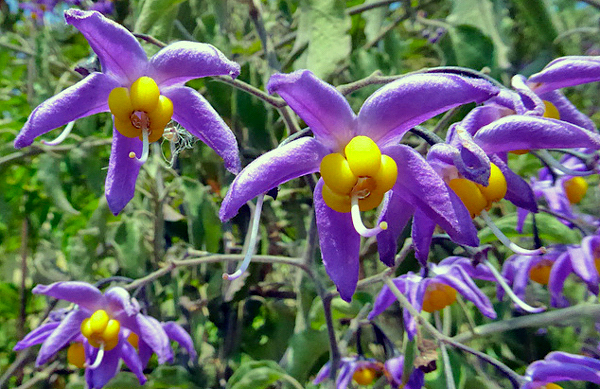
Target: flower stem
point(447, 367)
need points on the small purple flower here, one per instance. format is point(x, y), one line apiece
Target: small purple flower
point(99, 332)
point(372, 136)
point(142, 94)
point(560, 366)
point(363, 371)
point(438, 289)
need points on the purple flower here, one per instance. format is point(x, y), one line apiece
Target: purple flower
point(438, 290)
point(142, 94)
point(369, 139)
point(99, 332)
point(363, 371)
point(560, 366)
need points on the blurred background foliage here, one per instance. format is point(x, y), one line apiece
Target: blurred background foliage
point(267, 330)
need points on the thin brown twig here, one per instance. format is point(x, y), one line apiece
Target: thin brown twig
point(241, 85)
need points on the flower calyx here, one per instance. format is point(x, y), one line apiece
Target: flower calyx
point(362, 173)
point(437, 297)
point(101, 331)
point(140, 108)
point(477, 197)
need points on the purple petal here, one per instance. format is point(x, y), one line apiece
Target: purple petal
point(175, 332)
point(584, 267)
point(37, 336)
point(462, 151)
point(564, 72)
point(521, 217)
point(319, 104)
point(561, 269)
point(120, 302)
point(422, 234)
point(399, 106)
point(77, 292)
point(567, 111)
point(120, 54)
point(192, 111)
point(419, 185)
point(481, 116)
point(385, 298)
point(566, 358)
point(518, 132)
point(182, 61)
point(109, 367)
point(340, 244)
point(518, 190)
point(153, 334)
point(457, 278)
point(89, 96)
point(122, 171)
point(543, 372)
point(396, 212)
point(395, 366)
point(295, 159)
point(532, 103)
point(67, 330)
point(480, 271)
point(323, 374)
point(132, 360)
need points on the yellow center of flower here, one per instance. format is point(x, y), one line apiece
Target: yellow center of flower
point(575, 189)
point(438, 296)
point(134, 340)
point(540, 272)
point(477, 197)
point(363, 173)
point(100, 329)
point(551, 386)
point(139, 108)
point(551, 112)
point(364, 375)
point(76, 355)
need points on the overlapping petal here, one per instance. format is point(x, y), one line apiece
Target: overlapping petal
point(77, 292)
point(520, 132)
point(175, 332)
point(564, 72)
point(132, 360)
point(98, 377)
point(567, 111)
point(122, 171)
point(400, 105)
point(182, 61)
point(89, 96)
point(319, 104)
point(295, 159)
point(195, 114)
point(396, 213)
point(37, 336)
point(340, 244)
point(67, 330)
point(560, 366)
point(120, 54)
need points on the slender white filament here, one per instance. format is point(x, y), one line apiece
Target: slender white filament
point(550, 160)
point(520, 303)
point(507, 242)
point(63, 135)
point(99, 358)
point(145, 148)
point(358, 224)
point(251, 244)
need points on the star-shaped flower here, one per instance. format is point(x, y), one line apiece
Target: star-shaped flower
point(101, 330)
point(560, 366)
point(362, 164)
point(142, 94)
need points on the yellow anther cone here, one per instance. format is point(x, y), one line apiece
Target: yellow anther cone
point(159, 118)
point(551, 111)
point(363, 155)
point(470, 195)
point(387, 174)
point(364, 376)
point(438, 297)
point(540, 272)
point(119, 104)
point(76, 355)
point(144, 94)
point(99, 321)
point(126, 129)
point(496, 189)
point(575, 189)
point(336, 173)
point(336, 201)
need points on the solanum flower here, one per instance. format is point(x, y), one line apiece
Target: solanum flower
point(364, 371)
point(362, 164)
point(560, 366)
point(101, 330)
point(142, 94)
point(437, 289)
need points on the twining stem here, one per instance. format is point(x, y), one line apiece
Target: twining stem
point(514, 378)
point(241, 85)
point(447, 367)
point(560, 316)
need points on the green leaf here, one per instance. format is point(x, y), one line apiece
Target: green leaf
point(306, 348)
point(550, 229)
point(48, 174)
point(202, 216)
point(256, 375)
point(157, 18)
point(467, 46)
point(323, 25)
point(128, 243)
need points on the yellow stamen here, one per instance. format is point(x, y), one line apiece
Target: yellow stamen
point(551, 111)
point(575, 189)
point(496, 188)
point(540, 272)
point(363, 155)
point(470, 195)
point(437, 297)
point(76, 355)
point(364, 376)
point(101, 331)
